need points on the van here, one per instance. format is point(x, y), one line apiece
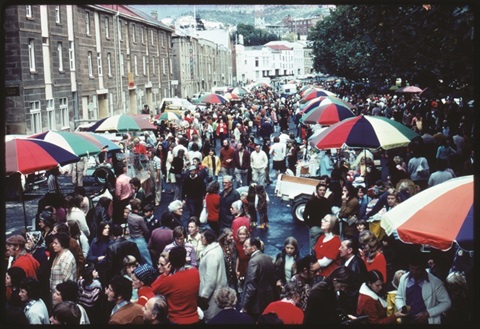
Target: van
point(219, 90)
point(288, 89)
point(177, 105)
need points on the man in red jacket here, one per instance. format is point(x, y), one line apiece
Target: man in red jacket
point(180, 285)
point(20, 257)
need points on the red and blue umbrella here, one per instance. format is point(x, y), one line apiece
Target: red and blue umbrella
point(365, 132)
point(327, 113)
point(213, 99)
point(438, 216)
point(28, 155)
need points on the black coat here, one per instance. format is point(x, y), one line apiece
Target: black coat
point(116, 251)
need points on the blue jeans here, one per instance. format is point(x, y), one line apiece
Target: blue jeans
point(142, 247)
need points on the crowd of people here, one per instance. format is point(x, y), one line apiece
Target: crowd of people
point(115, 262)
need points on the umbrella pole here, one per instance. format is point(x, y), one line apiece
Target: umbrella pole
point(22, 195)
point(365, 157)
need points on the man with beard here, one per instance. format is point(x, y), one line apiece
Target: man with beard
point(193, 192)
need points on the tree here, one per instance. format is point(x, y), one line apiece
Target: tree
point(253, 36)
point(420, 44)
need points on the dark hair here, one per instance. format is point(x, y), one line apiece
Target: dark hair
point(63, 239)
point(135, 181)
point(62, 227)
point(255, 242)
point(101, 227)
point(121, 286)
point(177, 257)
point(67, 313)
point(87, 273)
point(179, 231)
point(374, 276)
point(209, 235)
point(305, 262)
point(269, 318)
point(352, 243)
point(148, 207)
point(77, 200)
point(136, 204)
point(417, 258)
point(115, 230)
point(74, 228)
point(213, 187)
point(194, 219)
point(17, 274)
point(32, 286)
point(167, 220)
point(104, 201)
point(194, 147)
point(69, 290)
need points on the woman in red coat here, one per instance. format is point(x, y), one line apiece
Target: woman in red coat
point(372, 253)
point(373, 305)
point(222, 130)
point(327, 248)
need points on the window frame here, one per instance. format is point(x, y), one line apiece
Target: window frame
point(60, 56)
point(90, 64)
point(31, 55)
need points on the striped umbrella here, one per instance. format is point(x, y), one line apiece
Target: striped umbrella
point(322, 100)
point(28, 155)
point(231, 96)
point(122, 122)
point(72, 142)
point(316, 92)
point(327, 113)
point(240, 91)
point(438, 216)
point(213, 99)
point(365, 132)
point(99, 140)
point(168, 116)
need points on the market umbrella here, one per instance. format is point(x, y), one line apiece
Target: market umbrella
point(365, 132)
point(168, 116)
point(213, 99)
point(261, 84)
point(409, 89)
point(100, 140)
point(316, 92)
point(72, 142)
point(122, 122)
point(321, 100)
point(240, 91)
point(28, 155)
point(437, 216)
point(230, 96)
point(327, 113)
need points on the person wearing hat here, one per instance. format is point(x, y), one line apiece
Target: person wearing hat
point(19, 257)
point(193, 192)
point(142, 279)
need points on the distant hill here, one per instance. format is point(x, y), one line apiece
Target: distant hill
point(233, 15)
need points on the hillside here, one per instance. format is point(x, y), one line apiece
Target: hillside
point(233, 15)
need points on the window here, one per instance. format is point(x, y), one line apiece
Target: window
point(109, 64)
point(122, 66)
point(58, 18)
point(90, 64)
point(171, 66)
point(60, 56)
point(120, 37)
point(99, 64)
point(31, 54)
point(154, 69)
point(64, 112)
point(135, 65)
point(163, 67)
point(151, 37)
point(28, 11)
point(142, 35)
point(71, 56)
point(35, 117)
point(50, 114)
point(133, 33)
point(107, 31)
point(87, 22)
point(162, 37)
point(144, 59)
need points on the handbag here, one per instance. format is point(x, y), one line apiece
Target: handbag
point(203, 214)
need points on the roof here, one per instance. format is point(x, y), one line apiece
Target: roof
point(279, 47)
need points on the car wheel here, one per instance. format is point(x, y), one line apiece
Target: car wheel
point(299, 207)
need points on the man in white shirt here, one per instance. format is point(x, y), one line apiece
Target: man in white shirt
point(278, 152)
point(258, 162)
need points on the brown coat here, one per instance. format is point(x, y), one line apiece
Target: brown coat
point(131, 313)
